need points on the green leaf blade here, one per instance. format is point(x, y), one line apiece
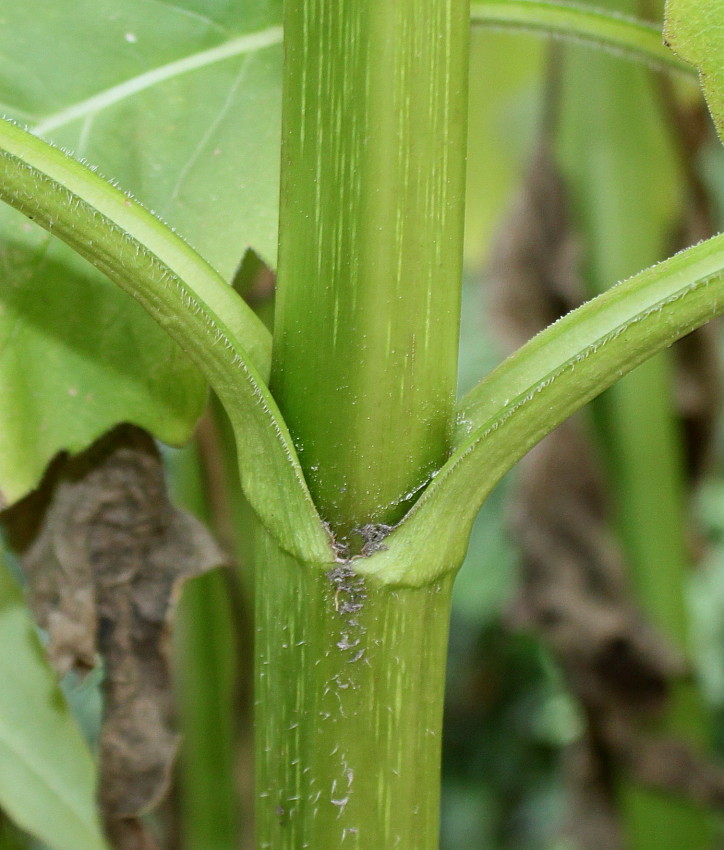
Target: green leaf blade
point(694, 29)
point(84, 368)
point(67, 367)
point(189, 116)
point(190, 124)
point(47, 776)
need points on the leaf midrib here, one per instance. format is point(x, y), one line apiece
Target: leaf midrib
point(102, 100)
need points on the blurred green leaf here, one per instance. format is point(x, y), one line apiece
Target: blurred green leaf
point(47, 777)
point(11, 838)
point(694, 29)
point(179, 102)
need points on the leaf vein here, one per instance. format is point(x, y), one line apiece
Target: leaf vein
point(210, 130)
point(92, 105)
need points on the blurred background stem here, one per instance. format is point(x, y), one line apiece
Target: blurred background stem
point(629, 193)
point(213, 649)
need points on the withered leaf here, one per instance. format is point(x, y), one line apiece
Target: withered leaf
point(104, 568)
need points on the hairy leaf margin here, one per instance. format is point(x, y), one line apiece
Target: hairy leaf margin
point(188, 299)
point(536, 389)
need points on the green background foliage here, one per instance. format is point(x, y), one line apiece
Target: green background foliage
point(47, 775)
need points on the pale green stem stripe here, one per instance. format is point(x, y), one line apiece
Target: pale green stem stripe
point(236, 47)
point(634, 38)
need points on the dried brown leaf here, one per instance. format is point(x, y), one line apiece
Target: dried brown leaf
point(104, 567)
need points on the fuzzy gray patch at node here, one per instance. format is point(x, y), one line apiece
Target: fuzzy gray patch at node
point(373, 534)
point(349, 593)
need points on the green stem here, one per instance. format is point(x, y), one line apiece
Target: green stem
point(205, 642)
point(633, 38)
point(371, 221)
point(646, 465)
point(350, 671)
point(351, 675)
